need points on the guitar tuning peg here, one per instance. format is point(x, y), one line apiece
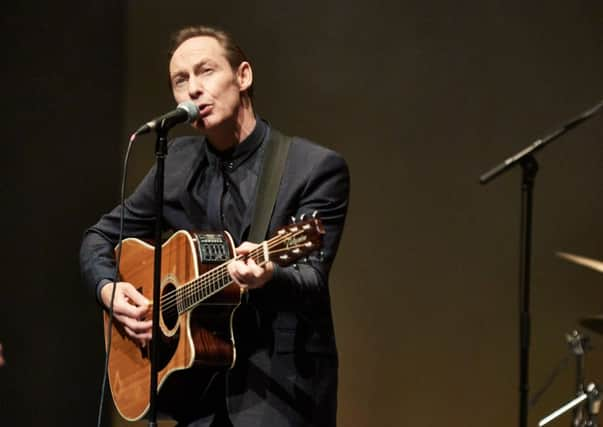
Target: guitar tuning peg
point(314, 214)
point(302, 216)
point(292, 219)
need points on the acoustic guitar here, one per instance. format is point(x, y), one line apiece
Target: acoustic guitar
point(197, 304)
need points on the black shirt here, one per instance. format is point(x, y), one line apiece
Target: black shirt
point(225, 185)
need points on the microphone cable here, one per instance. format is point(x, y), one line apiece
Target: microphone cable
point(115, 280)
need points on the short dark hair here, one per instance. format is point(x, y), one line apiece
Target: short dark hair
point(234, 54)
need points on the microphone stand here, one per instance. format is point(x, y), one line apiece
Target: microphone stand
point(160, 154)
point(529, 167)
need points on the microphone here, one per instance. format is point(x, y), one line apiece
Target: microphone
point(185, 112)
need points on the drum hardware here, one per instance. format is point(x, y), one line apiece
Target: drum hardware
point(579, 345)
point(594, 323)
point(584, 415)
point(592, 398)
point(582, 260)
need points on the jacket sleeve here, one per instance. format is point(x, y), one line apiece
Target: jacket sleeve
point(326, 191)
point(97, 260)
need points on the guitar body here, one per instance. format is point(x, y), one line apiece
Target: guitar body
point(198, 300)
point(198, 340)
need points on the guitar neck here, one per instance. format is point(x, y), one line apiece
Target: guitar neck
point(195, 292)
point(289, 244)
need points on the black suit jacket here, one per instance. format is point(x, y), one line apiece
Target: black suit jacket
point(286, 370)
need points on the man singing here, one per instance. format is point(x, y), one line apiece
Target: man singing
point(286, 358)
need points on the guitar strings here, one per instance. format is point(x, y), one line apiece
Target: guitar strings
point(214, 274)
point(191, 294)
point(192, 299)
point(190, 289)
point(194, 292)
point(197, 294)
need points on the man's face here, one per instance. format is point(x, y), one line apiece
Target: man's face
point(199, 71)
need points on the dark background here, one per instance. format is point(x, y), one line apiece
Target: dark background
point(420, 97)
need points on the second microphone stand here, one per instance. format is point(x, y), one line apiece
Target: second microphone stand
point(529, 167)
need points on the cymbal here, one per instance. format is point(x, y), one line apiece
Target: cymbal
point(587, 262)
point(594, 323)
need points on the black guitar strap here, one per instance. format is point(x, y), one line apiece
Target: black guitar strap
point(269, 182)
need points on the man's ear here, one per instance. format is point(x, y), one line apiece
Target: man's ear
point(244, 76)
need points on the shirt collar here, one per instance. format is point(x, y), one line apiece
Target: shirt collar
point(242, 151)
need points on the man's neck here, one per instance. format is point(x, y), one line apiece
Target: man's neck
point(235, 131)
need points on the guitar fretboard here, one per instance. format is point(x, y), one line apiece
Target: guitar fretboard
point(193, 293)
point(283, 248)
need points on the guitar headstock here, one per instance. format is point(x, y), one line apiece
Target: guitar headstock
point(295, 241)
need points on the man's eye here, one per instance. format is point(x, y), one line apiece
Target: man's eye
point(179, 82)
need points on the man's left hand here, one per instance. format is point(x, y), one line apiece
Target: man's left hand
point(246, 273)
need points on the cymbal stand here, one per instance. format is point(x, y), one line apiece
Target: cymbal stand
point(578, 345)
point(591, 395)
point(594, 404)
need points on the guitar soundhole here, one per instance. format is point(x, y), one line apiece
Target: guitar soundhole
point(169, 310)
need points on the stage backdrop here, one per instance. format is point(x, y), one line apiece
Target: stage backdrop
point(420, 98)
point(62, 97)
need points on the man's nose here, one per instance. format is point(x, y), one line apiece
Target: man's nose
point(195, 88)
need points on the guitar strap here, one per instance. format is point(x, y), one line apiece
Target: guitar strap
point(275, 156)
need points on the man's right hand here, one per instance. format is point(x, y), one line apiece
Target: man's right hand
point(131, 309)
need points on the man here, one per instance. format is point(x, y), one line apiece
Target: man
point(286, 366)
